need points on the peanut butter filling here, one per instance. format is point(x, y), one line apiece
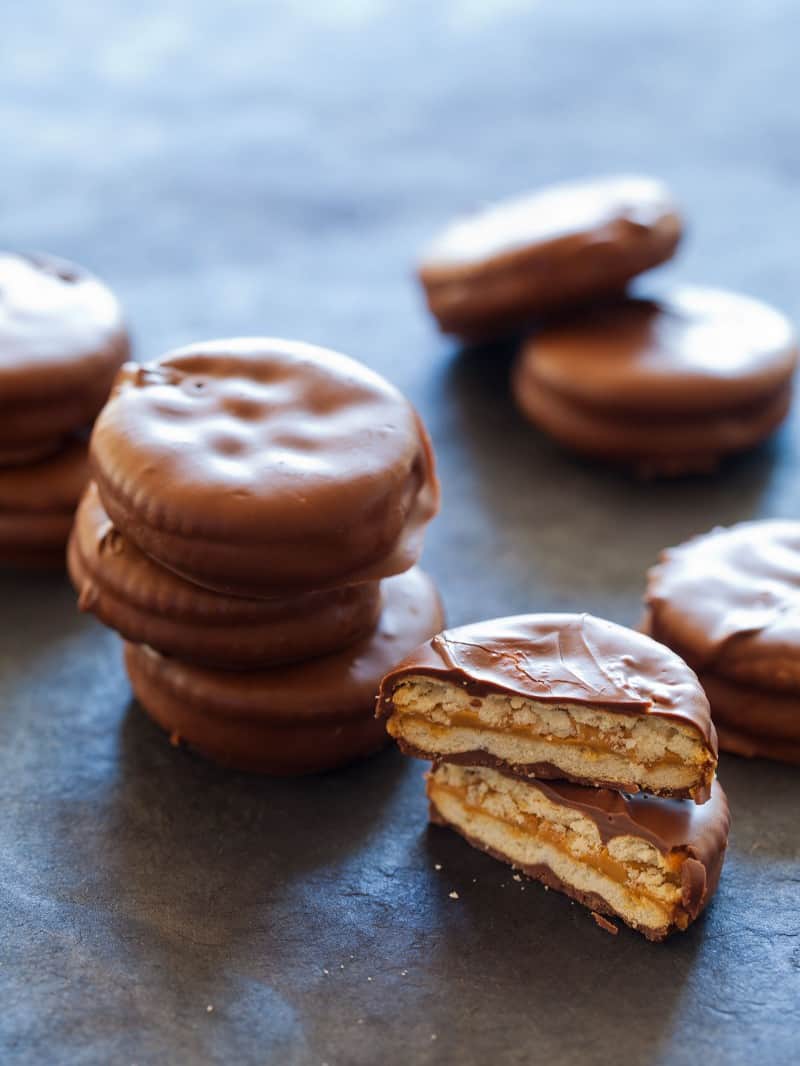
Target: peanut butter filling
point(593, 740)
point(530, 825)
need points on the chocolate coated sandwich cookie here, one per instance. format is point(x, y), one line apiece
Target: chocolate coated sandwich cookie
point(148, 604)
point(298, 719)
point(556, 696)
point(37, 506)
point(667, 387)
point(729, 603)
point(259, 467)
point(62, 340)
point(654, 863)
point(566, 244)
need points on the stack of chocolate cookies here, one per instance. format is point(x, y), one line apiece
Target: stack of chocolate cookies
point(252, 533)
point(578, 751)
point(62, 340)
point(727, 602)
point(666, 386)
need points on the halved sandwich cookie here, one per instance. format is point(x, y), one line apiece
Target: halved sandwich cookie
point(556, 696)
point(654, 863)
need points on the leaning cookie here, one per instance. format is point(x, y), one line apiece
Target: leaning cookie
point(37, 507)
point(556, 696)
point(665, 387)
point(262, 467)
point(62, 340)
point(727, 602)
point(147, 604)
point(570, 243)
point(654, 863)
point(296, 719)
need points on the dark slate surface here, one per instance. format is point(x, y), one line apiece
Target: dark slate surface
point(239, 167)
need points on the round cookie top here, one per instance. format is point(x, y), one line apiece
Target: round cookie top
point(297, 452)
point(586, 212)
point(60, 328)
point(729, 601)
point(696, 350)
point(563, 658)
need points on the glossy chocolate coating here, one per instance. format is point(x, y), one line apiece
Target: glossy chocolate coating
point(259, 466)
point(671, 386)
point(698, 350)
point(729, 601)
point(668, 824)
point(563, 658)
point(62, 340)
point(37, 504)
point(292, 719)
point(532, 255)
point(699, 832)
point(148, 604)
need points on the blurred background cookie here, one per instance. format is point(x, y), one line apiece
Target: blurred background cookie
point(665, 387)
point(566, 244)
point(62, 340)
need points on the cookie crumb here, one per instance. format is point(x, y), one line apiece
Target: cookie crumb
point(209, 1008)
point(437, 866)
point(604, 923)
point(454, 895)
point(516, 877)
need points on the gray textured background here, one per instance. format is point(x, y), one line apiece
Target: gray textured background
point(245, 168)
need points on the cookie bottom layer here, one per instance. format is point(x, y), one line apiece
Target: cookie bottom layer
point(265, 747)
point(295, 719)
point(654, 446)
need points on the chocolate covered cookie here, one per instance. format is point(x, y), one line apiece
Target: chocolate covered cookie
point(62, 340)
point(729, 603)
point(494, 271)
point(262, 467)
point(37, 505)
point(556, 696)
point(148, 604)
point(654, 863)
point(303, 718)
point(666, 387)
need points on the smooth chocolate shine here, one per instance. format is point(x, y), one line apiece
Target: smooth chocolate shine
point(565, 244)
point(672, 385)
point(292, 719)
point(730, 599)
point(62, 340)
point(563, 657)
point(258, 466)
point(148, 604)
point(729, 602)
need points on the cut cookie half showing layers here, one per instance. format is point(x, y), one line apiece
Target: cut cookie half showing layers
point(556, 696)
point(654, 863)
